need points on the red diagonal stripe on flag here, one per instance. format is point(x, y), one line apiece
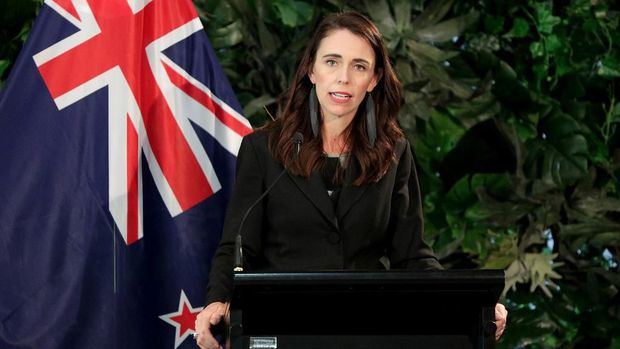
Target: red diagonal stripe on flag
point(208, 102)
point(67, 5)
point(132, 183)
point(122, 43)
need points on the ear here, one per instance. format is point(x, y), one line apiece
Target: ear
point(373, 83)
point(375, 80)
point(311, 76)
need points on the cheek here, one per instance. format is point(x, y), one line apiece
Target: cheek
point(364, 87)
point(371, 84)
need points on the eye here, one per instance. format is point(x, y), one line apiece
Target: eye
point(359, 67)
point(331, 62)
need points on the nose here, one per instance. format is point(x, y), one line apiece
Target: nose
point(343, 76)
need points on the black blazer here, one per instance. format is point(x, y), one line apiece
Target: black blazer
point(296, 227)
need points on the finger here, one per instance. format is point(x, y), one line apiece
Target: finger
point(499, 334)
point(500, 310)
point(501, 326)
point(206, 341)
point(199, 342)
point(216, 317)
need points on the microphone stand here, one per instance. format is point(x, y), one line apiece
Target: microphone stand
point(297, 139)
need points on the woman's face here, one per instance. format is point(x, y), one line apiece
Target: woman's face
point(343, 71)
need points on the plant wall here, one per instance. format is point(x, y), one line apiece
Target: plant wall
point(513, 112)
point(513, 109)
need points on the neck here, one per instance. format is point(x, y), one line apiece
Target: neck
point(334, 135)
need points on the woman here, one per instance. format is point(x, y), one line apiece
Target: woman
point(351, 198)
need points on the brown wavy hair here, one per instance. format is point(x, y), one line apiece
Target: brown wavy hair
point(373, 161)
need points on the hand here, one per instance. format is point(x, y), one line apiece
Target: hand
point(211, 315)
point(501, 315)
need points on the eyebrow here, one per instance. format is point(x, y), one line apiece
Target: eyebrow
point(336, 55)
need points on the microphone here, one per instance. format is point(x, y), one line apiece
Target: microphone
point(297, 139)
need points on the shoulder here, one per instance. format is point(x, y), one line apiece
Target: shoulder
point(256, 137)
point(255, 141)
point(403, 147)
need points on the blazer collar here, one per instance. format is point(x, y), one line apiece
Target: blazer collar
point(350, 194)
point(314, 189)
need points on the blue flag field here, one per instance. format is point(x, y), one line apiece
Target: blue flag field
point(118, 139)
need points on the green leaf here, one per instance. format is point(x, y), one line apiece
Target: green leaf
point(537, 49)
point(460, 196)
point(614, 278)
point(580, 8)
point(23, 34)
point(476, 110)
point(493, 24)
point(379, 11)
point(545, 20)
point(402, 14)
point(479, 212)
point(505, 255)
point(525, 131)
point(563, 65)
point(404, 71)
point(540, 267)
point(520, 28)
point(431, 52)
point(456, 225)
point(474, 241)
point(563, 150)
point(227, 36)
point(434, 13)
point(4, 64)
point(541, 70)
point(438, 74)
point(509, 89)
point(502, 214)
point(447, 30)
point(516, 273)
point(588, 229)
point(616, 112)
point(293, 13)
point(608, 67)
point(269, 42)
point(611, 238)
point(498, 185)
point(440, 134)
point(552, 43)
point(257, 104)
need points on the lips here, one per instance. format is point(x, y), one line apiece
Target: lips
point(340, 97)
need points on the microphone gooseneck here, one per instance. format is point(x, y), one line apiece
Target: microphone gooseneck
point(297, 140)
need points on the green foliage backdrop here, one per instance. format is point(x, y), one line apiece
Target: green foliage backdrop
point(513, 110)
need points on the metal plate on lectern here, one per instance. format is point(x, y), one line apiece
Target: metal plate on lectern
point(263, 342)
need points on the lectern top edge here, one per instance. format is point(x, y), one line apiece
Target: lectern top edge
point(483, 276)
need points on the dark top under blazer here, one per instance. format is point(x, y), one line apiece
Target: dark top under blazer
point(297, 228)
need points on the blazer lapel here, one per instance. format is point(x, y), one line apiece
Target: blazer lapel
point(350, 194)
point(315, 191)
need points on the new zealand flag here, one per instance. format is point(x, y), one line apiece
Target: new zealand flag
point(118, 138)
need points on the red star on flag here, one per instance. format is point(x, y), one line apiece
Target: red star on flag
point(183, 319)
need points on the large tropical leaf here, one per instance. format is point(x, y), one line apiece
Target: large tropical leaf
point(560, 154)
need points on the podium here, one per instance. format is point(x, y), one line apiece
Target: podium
point(348, 310)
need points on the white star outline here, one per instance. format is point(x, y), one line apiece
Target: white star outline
point(178, 338)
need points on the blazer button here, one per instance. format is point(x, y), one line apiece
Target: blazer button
point(333, 238)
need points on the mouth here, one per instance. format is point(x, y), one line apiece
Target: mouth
point(340, 95)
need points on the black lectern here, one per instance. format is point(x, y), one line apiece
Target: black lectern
point(396, 309)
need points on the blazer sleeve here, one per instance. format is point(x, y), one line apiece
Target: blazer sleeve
point(408, 250)
point(249, 185)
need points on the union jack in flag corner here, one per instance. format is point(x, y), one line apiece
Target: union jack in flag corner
point(118, 139)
